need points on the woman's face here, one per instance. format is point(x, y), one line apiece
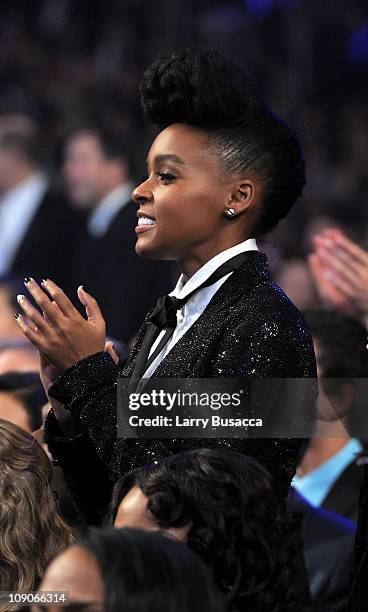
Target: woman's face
point(75, 572)
point(133, 512)
point(184, 199)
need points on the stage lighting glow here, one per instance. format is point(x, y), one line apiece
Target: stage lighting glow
point(357, 46)
point(260, 8)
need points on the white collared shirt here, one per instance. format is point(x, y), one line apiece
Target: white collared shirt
point(198, 302)
point(105, 212)
point(18, 207)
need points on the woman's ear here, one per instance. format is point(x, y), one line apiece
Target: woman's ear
point(243, 196)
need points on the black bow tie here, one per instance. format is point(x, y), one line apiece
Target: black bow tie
point(163, 316)
point(164, 313)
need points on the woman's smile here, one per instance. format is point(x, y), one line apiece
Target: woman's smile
point(144, 223)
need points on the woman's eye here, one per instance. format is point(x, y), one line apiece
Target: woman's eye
point(166, 177)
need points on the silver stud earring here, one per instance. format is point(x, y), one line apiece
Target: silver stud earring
point(230, 212)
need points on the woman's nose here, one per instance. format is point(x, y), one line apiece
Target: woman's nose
point(142, 193)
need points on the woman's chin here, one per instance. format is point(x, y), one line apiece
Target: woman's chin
point(150, 250)
point(144, 249)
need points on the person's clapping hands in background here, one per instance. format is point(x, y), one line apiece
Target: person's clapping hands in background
point(340, 270)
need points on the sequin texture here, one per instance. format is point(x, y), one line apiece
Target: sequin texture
point(249, 328)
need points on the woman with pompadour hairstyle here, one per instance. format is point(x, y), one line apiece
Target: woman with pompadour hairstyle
point(223, 170)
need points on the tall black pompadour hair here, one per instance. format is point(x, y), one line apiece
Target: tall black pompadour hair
point(206, 90)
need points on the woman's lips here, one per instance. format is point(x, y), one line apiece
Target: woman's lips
point(143, 228)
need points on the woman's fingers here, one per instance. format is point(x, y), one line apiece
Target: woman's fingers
point(33, 335)
point(93, 311)
point(60, 332)
point(40, 323)
point(59, 297)
point(43, 301)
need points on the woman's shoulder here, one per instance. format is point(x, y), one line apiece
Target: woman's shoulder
point(268, 335)
point(267, 307)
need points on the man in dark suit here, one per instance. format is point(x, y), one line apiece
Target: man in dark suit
point(327, 474)
point(125, 285)
point(39, 231)
point(328, 551)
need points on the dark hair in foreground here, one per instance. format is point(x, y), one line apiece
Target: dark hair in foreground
point(204, 89)
point(149, 572)
point(239, 525)
point(32, 532)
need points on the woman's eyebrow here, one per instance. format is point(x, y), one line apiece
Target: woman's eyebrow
point(159, 159)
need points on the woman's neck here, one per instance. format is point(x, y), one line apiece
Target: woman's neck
point(320, 450)
point(191, 264)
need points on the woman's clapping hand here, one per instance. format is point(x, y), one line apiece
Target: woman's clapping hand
point(59, 331)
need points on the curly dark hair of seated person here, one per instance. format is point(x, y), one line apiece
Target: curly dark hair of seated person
point(150, 572)
point(205, 90)
point(31, 530)
point(239, 525)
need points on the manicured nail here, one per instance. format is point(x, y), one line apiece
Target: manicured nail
point(17, 316)
point(26, 280)
point(20, 298)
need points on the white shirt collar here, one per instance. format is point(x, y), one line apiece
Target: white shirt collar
point(30, 190)
point(181, 290)
point(103, 215)
point(200, 300)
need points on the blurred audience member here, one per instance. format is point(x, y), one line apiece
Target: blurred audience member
point(19, 357)
point(126, 569)
point(225, 507)
point(31, 530)
point(340, 270)
point(98, 179)
point(295, 278)
point(38, 230)
point(17, 122)
point(327, 475)
point(21, 399)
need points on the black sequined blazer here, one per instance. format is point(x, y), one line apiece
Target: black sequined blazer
point(249, 327)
